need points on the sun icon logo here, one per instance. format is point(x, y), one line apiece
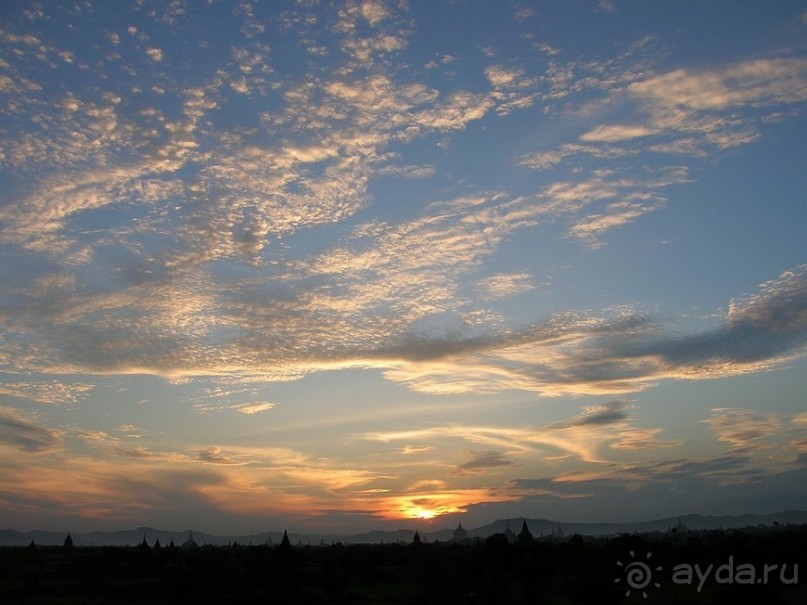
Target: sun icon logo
point(638, 575)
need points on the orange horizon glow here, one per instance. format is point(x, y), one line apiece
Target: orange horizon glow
point(430, 505)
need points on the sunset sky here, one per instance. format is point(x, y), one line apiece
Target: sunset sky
point(381, 264)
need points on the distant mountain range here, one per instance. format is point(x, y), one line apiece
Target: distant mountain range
point(538, 528)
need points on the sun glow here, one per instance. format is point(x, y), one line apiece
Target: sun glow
point(423, 506)
point(422, 513)
point(430, 505)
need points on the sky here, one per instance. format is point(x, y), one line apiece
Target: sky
point(380, 264)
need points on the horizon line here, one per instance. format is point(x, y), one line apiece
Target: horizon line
point(401, 529)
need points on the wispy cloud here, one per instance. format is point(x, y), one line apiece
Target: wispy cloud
point(687, 113)
point(507, 284)
point(586, 436)
point(255, 407)
point(713, 105)
point(616, 132)
point(760, 81)
point(21, 433)
point(46, 392)
point(213, 455)
point(588, 355)
point(485, 461)
point(742, 428)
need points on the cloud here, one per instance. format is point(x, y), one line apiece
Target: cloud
point(587, 436)
point(46, 392)
point(499, 437)
point(374, 12)
point(41, 222)
point(545, 160)
point(338, 302)
point(758, 82)
point(705, 103)
point(745, 464)
point(617, 214)
point(720, 472)
point(586, 355)
point(60, 486)
point(485, 460)
point(512, 88)
point(607, 413)
point(92, 435)
point(523, 12)
point(605, 200)
point(388, 36)
point(22, 434)
point(503, 76)
point(616, 132)
point(409, 172)
point(145, 454)
point(742, 428)
point(213, 455)
point(129, 430)
point(760, 330)
point(155, 54)
point(455, 112)
point(138, 482)
point(506, 284)
point(542, 160)
point(695, 113)
point(255, 407)
point(240, 86)
point(606, 6)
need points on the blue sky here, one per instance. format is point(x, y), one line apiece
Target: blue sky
point(367, 264)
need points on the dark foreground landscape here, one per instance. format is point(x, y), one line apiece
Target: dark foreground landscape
point(751, 565)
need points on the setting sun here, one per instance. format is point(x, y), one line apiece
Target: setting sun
point(421, 513)
point(430, 505)
point(426, 506)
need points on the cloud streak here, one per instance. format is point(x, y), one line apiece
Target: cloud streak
point(586, 436)
point(586, 355)
point(20, 433)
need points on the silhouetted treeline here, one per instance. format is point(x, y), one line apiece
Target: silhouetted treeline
point(494, 570)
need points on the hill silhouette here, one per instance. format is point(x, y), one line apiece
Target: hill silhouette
point(538, 527)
